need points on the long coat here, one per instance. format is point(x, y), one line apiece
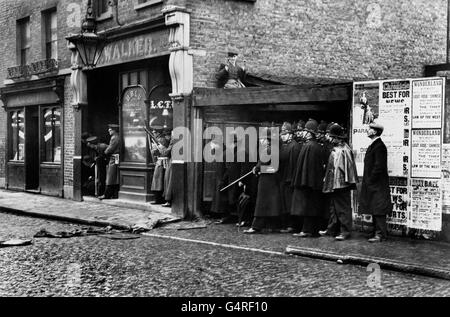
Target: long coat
point(168, 182)
point(375, 197)
point(268, 199)
point(112, 170)
point(285, 172)
point(307, 199)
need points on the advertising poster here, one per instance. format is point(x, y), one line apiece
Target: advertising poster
point(446, 178)
point(427, 103)
point(394, 115)
point(400, 199)
point(366, 98)
point(426, 204)
point(426, 153)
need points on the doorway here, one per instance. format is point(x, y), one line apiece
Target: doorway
point(32, 148)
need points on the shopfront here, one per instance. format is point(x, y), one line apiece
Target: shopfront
point(130, 86)
point(35, 115)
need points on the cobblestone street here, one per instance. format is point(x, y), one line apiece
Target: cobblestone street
point(150, 266)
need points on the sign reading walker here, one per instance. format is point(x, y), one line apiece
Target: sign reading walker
point(411, 111)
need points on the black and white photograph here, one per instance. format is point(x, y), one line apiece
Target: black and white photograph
point(224, 155)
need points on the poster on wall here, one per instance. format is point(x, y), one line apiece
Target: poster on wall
point(426, 204)
point(400, 199)
point(427, 103)
point(418, 164)
point(446, 178)
point(394, 115)
point(426, 153)
point(365, 109)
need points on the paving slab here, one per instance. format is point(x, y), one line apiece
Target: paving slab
point(92, 212)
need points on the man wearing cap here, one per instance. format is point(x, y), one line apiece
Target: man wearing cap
point(161, 151)
point(375, 197)
point(231, 73)
point(100, 164)
point(307, 200)
point(112, 170)
point(340, 179)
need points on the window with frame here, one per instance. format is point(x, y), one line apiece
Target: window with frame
point(52, 135)
point(17, 136)
point(101, 7)
point(49, 19)
point(23, 40)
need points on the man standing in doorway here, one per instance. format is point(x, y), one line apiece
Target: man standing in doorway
point(375, 198)
point(112, 170)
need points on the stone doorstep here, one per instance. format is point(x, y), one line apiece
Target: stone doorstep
point(365, 260)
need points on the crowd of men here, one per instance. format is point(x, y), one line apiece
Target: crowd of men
point(309, 194)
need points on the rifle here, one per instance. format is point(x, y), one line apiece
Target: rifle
point(237, 180)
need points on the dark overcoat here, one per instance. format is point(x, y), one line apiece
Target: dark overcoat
point(293, 159)
point(112, 170)
point(307, 199)
point(268, 199)
point(285, 172)
point(375, 196)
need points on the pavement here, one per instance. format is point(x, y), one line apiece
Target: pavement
point(421, 257)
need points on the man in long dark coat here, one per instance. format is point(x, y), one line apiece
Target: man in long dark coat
point(375, 197)
point(287, 146)
point(268, 208)
point(340, 179)
point(307, 200)
point(112, 170)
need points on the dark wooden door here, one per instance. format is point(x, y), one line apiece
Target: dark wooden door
point(32, 148)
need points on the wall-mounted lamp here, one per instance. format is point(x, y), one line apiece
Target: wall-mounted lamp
point(88, 43)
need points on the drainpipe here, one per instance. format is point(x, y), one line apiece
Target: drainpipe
point(448, 31)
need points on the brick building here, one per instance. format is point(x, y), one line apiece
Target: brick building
point(172, 48)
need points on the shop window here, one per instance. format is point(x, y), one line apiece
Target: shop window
point(50, 34)
point(23, 40)
point(52, 135)
point(17, 136)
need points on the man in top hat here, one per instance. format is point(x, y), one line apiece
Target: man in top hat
point(375, 197)
point(231, 73)
point(112, 169)
point(340, 178)
point(100, 164)
point(307, 200)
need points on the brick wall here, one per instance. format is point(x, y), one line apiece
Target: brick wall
point(345, 39)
